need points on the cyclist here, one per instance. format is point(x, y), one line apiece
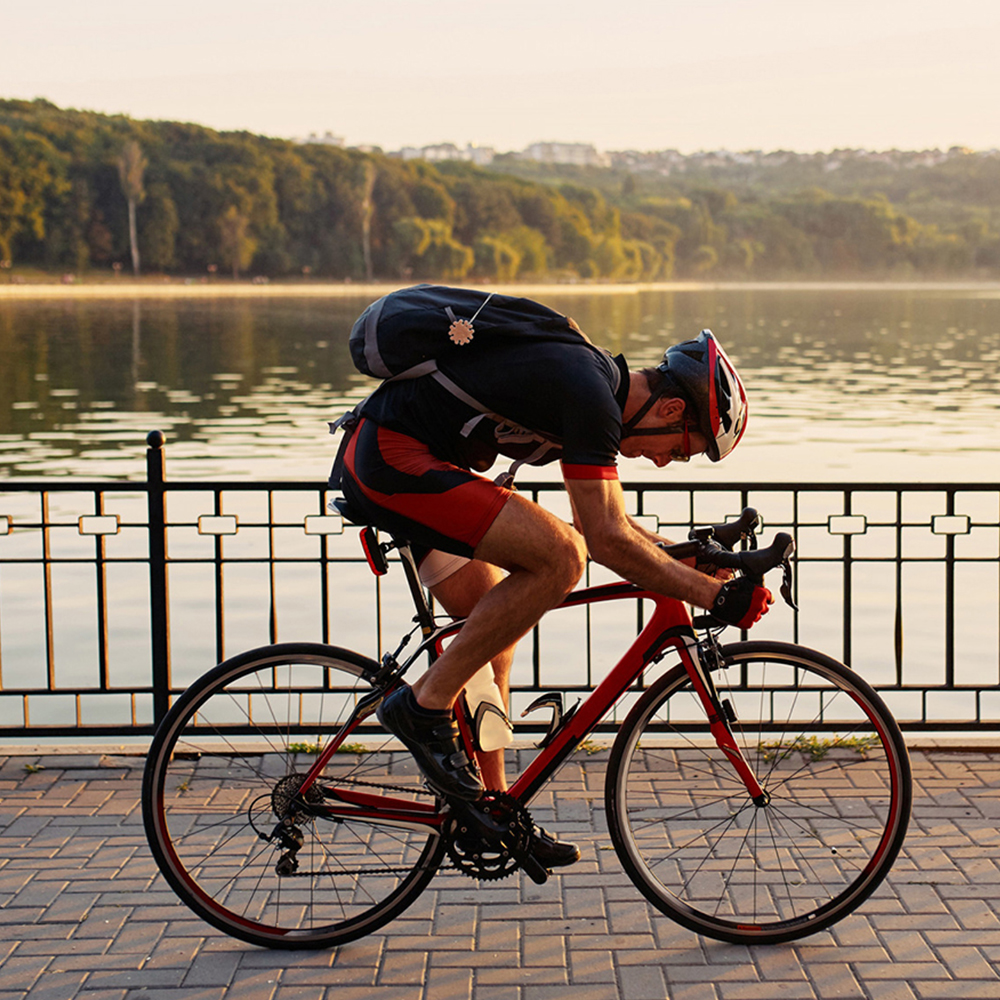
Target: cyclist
point(411, 466)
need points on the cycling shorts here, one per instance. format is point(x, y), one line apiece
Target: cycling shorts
point(404, 489)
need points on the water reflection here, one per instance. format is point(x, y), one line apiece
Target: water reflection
point(862, 384)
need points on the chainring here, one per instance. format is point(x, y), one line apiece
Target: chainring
point(488, 838)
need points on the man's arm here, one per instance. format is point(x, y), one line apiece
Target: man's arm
point(615, 541)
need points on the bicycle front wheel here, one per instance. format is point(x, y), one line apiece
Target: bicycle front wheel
point(224, 770)
point(835, 772)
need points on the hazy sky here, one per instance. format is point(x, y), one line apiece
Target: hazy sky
point(643, 74)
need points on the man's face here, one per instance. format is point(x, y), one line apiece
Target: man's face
point(662, 449)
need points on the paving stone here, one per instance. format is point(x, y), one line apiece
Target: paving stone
point(20, 974)
point(968, 963)
point(645, 982)
point(84, 914)
point(212, 969)
point(604, 991)
point(765, 991)
point(778, 964)
point(906, 947)
point(443, 981)
point(403, 968)
point(56, 986)
point(525, 975)
point(591, 967)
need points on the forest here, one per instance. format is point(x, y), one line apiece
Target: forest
point(86, 193)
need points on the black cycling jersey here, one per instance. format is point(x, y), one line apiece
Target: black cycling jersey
point(571, 395)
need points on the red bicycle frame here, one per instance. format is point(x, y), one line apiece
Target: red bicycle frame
point(669, 626)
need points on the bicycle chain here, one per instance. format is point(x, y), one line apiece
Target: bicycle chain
point(375, 784)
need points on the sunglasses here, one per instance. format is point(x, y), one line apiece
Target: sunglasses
point(682, 454)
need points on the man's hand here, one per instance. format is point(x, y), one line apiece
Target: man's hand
point(718, 572)
point(741, 603)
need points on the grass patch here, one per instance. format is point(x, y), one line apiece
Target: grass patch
point(315, 748)
point(816, 747)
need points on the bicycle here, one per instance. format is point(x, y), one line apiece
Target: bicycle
point(756, 792)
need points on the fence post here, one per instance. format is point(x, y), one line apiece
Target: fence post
point(159, 615)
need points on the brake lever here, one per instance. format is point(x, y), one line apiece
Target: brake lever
point(786, 584)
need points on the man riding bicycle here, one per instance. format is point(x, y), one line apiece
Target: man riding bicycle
point(411, 466)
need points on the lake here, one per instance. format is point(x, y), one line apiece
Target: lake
point(846, 383)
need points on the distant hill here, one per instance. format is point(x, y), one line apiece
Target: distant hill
point(247, 204)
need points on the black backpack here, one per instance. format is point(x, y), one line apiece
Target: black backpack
point(412, 332)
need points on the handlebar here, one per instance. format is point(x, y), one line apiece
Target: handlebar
point(713, 544)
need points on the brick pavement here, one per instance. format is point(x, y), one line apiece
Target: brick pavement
point(85, 916)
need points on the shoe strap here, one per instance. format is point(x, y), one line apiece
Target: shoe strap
point(445, 731)
point(458, 760)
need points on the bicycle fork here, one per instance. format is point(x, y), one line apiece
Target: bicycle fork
point(698, 659)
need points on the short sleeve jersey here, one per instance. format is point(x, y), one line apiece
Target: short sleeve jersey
point(571, 395)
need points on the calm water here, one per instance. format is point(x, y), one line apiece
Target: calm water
point(864, 384)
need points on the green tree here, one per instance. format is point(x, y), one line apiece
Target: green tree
point(131, 171)
point(158, 227)
point(425, 248)
point(235, 243)
point(28, 179)
point(531, 246)
point(367, 207)
point(495, 259)
point(704, 259)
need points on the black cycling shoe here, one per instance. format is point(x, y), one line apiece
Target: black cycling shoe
point(552, 853)
point(434, 742)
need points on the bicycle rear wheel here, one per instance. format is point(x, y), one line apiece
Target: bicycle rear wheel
point(831, 760)
point(222, 771)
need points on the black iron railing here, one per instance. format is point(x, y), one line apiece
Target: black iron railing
point(114, 596)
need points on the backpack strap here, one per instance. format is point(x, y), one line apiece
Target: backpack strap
point(349, 421)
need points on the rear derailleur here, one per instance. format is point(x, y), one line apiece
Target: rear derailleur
point(290, 808)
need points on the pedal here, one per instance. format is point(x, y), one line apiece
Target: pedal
point(534, 870)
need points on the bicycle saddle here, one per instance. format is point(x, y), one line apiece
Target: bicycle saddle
point(343, 506)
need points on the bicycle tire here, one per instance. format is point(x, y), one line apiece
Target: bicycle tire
point(214, 777)
point(828, 753)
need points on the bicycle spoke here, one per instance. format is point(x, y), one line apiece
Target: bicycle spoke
point(809, 852)
point(314, 881)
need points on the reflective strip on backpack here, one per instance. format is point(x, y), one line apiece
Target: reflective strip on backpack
point(372, 356)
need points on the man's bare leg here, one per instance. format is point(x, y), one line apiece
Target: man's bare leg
point(458, 594)
point(544, 557)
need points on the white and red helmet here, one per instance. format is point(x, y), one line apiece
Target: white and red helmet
point(705, 378)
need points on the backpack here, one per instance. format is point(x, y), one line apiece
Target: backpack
point(411, 333)
point(407, 332)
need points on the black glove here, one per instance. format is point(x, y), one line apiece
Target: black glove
point(741, 602)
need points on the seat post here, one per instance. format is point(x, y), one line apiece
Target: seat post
point(425, 619)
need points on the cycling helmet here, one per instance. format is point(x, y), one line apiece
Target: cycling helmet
point(699, 372)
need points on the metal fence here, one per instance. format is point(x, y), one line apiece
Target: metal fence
point(114, 596)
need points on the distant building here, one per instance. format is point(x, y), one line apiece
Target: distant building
point(482, 156)
point(326, 139)
point(578, 154)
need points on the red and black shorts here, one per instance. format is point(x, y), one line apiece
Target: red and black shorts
point(396, 482)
